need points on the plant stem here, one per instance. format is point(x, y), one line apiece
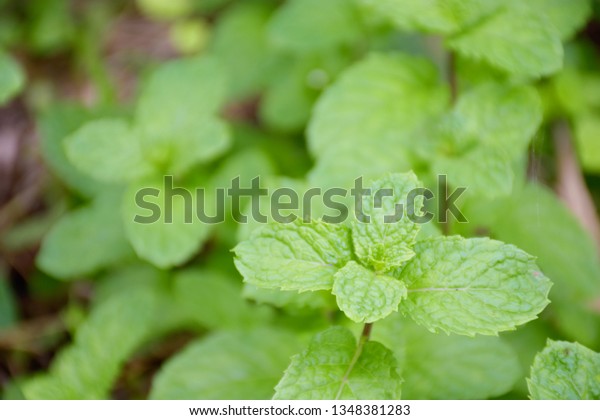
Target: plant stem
point(364, 337)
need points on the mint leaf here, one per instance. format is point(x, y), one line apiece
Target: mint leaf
point(67, 251)
point(490, 128)
point(329, 369)
point(178, 127)
point(376, 103)
point(518, 220)
point(339, 167)
point(365, 296)
point(472, 286)
point(247, 58)
point(107, 150)
point(500, 115)
point(485, 171)
point(227, 366)
point(448, 367)
point(385, 240)
point(516, 39)
point(295, 256)
point(165, 243)
point(312, 25)
point(114, 330)
point(290, 299)
point(565, 371)
point(566, 16)
point(587, 129)
point(213, 300)
point(12, 78)
point(441, 16)
point(54, 125)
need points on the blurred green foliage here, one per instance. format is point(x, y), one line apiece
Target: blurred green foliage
point(303, 93)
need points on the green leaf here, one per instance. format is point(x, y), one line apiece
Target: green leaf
point(246, 58)
point(519, 220)
point(12, 78)
point(500, 115)
point(289, 299)
point(440, 16)
point(517, 40)
point(227, 366)
point(213, 300)
point(587, 131)
point(329, 369)
point(376, 103)
point(313, 25)
point(448, 367)
point(484, 171)
point(163, 242)
point(365, 296)
point(85, 240)
point(565, 371)
point(287, 103)
point(472, 286)
point(175, 117)
point(55, 124)
point(385, 240)
point(566, 16)
point(340, 167)
point(477, 143)
point(107, 150)
point(114, 330)
point(165, 9)
point(294, 256)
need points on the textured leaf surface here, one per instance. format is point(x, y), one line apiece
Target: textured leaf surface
point(536, 221)
point(448, 367)
point(517, 39)
point(107, 150)
point(67, 250)
point(565, 371)
point(443, 16)
point(162, 243)
point(228, 366)
point(472, 286)
point(365, 296)
point(377, 101)
point(313, 25)
point(327, 370)
point(385, 240)
point(295, 256)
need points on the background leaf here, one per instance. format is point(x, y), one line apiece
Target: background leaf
point(234, 366)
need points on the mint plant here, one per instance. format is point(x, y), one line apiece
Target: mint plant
point(123, 123)
point(374, 268)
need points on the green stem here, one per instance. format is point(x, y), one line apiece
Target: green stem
point(364, 337)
